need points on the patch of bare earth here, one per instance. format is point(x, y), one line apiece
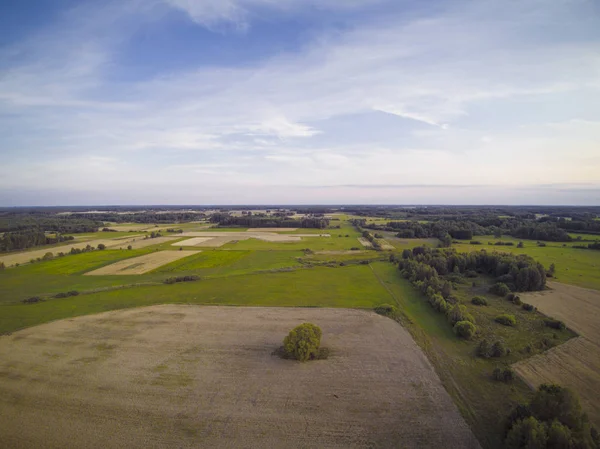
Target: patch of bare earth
point(205, 377)
point(192, 242)
point(272, 229)
point(142, 243)
point(141, 264)
point(341, 252)
point(364, 242)
point(26, 256)
point(384, 244)
point(227, 237)
point(575, 364)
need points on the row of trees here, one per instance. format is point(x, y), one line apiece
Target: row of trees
point(12, 241)
point(518, 271)
point(253, 221)
point(63, 224)
point(466, 229)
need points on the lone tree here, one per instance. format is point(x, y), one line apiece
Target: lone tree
point(303, 342)
point(101, 246)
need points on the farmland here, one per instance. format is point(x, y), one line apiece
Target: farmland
point(205, 377)
point(579, 308)
point(311, 268)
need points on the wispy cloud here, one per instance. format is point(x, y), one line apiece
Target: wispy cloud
point(476, 89)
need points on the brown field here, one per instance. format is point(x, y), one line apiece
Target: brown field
point(575, 364)
point(231, 236)
point(25, 256)
point(578, 307)
point(192, 242)
point(364, 242)
point(385, 245)
point(205, 377)
point(341, 252)
point(272, 229)
point(141, 264)
point(131, 227)
point(142, 242)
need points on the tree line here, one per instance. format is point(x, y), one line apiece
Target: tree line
point(67, 224)
point(253, 221)
point(12, 241)
point(466, 229)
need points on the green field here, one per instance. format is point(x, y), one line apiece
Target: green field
point(573, 266)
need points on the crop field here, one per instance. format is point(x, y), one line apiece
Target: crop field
point(576, 364)
point(25, 256)
point(141, 264)
point(189, 376)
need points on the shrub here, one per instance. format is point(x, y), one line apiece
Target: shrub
point(101, 246)
point(465, 329)
point(500, 289)
point(459, 313)
point(479, 301)
point(503, 375)
point(471, 274)
point(528, 307)
point(517, 300)
point(499, 350)
point(475, 242)
point(303, 342)
point(48, 256)
point(484, 349)
point(32, 300)
point(73, 293)
point(385, 309)
point(555, 324)
point(173, 280)
point(129, 247)
point(510, 297)
point(506, 320)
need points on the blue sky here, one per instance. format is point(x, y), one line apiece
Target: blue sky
point(299, 101)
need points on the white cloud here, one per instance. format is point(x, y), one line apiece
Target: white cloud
point(265, 123)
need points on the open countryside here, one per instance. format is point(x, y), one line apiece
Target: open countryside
point(323, 267)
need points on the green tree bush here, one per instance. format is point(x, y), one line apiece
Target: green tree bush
point(303, 342)
point(479, 301)
point(465, 329)
point(506, 320)
point(459, 313)
point(527, 433)
point(500, 289)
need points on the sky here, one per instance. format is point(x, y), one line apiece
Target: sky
point(299, 102)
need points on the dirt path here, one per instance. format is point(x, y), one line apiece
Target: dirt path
point(204, 377)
